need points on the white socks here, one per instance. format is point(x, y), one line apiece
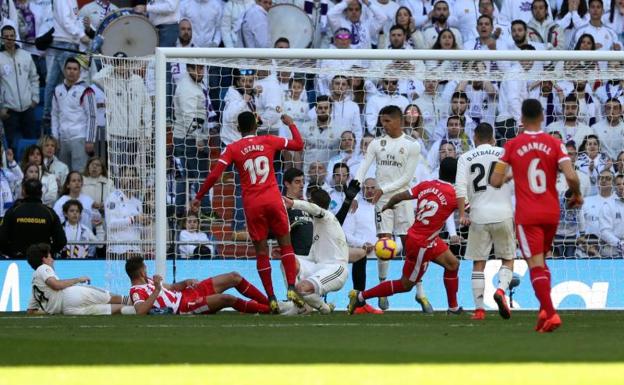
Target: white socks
point(128, 310)
point(382, 269)
point(317, 303)
point(478, 287)
point(505, 275)
point(420, 291)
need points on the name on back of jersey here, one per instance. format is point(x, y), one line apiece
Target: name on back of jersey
point(543, 147)
point(254, 147)
point(436, 192)
point(496, 151)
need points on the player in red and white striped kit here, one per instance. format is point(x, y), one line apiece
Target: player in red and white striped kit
point(436, 202)
point(191, 296)
point(262, 200)
point(535, 158)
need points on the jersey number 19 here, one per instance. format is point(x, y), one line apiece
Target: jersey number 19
point(257, 168)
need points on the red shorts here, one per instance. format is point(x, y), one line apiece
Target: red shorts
point(418, 257)
point(194, 298)
point(264, 216)
point(535, 239)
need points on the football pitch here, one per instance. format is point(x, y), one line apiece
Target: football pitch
point(229, 348)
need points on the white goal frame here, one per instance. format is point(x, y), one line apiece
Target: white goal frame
point(164, 54)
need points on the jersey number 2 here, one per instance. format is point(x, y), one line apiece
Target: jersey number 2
point(426, 209)
point(257, 168)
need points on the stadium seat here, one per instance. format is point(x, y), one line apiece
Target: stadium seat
point(22, 144)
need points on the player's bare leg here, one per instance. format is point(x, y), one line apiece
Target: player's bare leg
point(263, 264)
point(478, 288)
point(548, 320)
point(289, 262)
point(311, 297)
point(420, 297)
point(505, 274)
point(451, 282)
point(121, 305)
point(217, 302)
point(223, 282)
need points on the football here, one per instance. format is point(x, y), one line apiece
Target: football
point(385, 248)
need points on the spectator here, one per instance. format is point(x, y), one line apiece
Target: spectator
point(439, 21)
point(501, 25)
point(239, 97)
point(8, 14)
point(69, 31)
point(255, 30)
point(94, 12)
point(606, 38)
point(35, 19)
point(345, 113)
point(550, 96)
point(591, 243)
point(76, 231)
point(233, 11)
point(610, 130)
point(322, 137)
point(192, 233)
point(614, 17)
point(97, 186)
point(33, 156)
point(612, 221)
point(570, 128)
point(340, 178)
point(295, 102)
point(347, 153)
point(414, 126)
point(514, 10)
point(459, 106)
point(73, 117)
point(10, 178)
point(520, 36)
point(403, 18)
point(592, 160)
point(388, 95)
point(343, 39)
point(359, 158)
point(398, 38)
point(572, 15)
point(389, 8)
point(20, 90)
point(185, 39)
point(421, 11)
point(49, 147)
point(481, 95)
point(456, 135)
point(619, 163)
point(464, 15)
point(317, 177)
point(543, 28)
point(269, 101)
point(363, 25)
point(29, 222)
point(205, 16)
point(430, 103)
point(72, 189)
point(613, 88)
point(190, 129)
point(589, 106)
point(164, 15)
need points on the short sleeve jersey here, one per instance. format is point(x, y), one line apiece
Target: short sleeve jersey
point(534, 158)
point(166, 298)
point(43, 296)
point(436, 200)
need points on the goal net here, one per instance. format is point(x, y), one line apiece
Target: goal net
point(169, 117)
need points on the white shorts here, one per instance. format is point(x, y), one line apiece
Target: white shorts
point(86, 300)
point(396, 221)
point(481, 237)
point(325, 277)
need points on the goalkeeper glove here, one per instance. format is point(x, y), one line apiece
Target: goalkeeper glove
point(352, 190)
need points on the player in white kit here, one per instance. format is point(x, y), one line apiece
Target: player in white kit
point(324, 269)
point(51, 295)
point(491, 217)
point(396, 157)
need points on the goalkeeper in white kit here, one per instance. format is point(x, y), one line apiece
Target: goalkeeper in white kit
point(490, 220)
point(396, 157)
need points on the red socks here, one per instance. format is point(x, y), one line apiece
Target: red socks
point(289, 263)
point(251, 292)
point(263, 264)
point(250, 307)
point(451, 283)
point(540, 278)
point(384, 289)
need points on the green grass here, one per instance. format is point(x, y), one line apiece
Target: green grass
point(229, 338)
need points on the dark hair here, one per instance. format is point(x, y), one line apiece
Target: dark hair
point(594, 1)
point(521, 22)
point(613, 100)
point(577, 47)
point(448, 169)
point(35, 254)
point(32, 188)
point(395, 27)
point(527, 47)
point(462, 120)
point(322, 98)
point(340, 165)
point(281, 40)
point(582, 9)
point(487, 17)
point(532, 109)
point(392, 111)
point(27, 153)
point(133, 266)
point(320, 198)
point(409, 12)
point(71, 60)
point(72, 202)
point(438, 45)
point(545, 4)
point(85, 172)
point(582, 147)
point(460, 95)
point(246, 122)
point(484, 132)
point(65, 190)
point(291, 174)
point(7, 27)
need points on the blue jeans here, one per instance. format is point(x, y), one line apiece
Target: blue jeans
point(55, 63)
point(195, 164)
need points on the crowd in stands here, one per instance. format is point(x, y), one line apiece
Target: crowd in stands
point(56, 114)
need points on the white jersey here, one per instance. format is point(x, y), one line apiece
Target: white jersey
point(43, 296)
point(329, 244)
point(396, 160)
point(487, 204)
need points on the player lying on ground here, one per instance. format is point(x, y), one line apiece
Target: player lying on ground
point(324, 269)
point(51, 295)
point(262, 202)
point(191, 296)
point(535, 158)
point(490, 219)
point(436, 201)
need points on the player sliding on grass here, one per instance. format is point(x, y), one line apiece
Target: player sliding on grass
point(436, 201)
point(262, 201)
point(490, 218)
point(51, 295)
point(191, 296)
point(535, 159)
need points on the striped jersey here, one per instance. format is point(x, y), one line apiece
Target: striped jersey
point(166, 299)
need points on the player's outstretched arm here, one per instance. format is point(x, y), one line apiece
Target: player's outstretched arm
point(350, 193)
point(210, 180)
point(396, 199)
point(142, 308)
point(60, 284)
point(296, 143)
point(498, 175)
point(179, 286)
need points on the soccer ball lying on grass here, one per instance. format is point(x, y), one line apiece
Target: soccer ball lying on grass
point(385, 248)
